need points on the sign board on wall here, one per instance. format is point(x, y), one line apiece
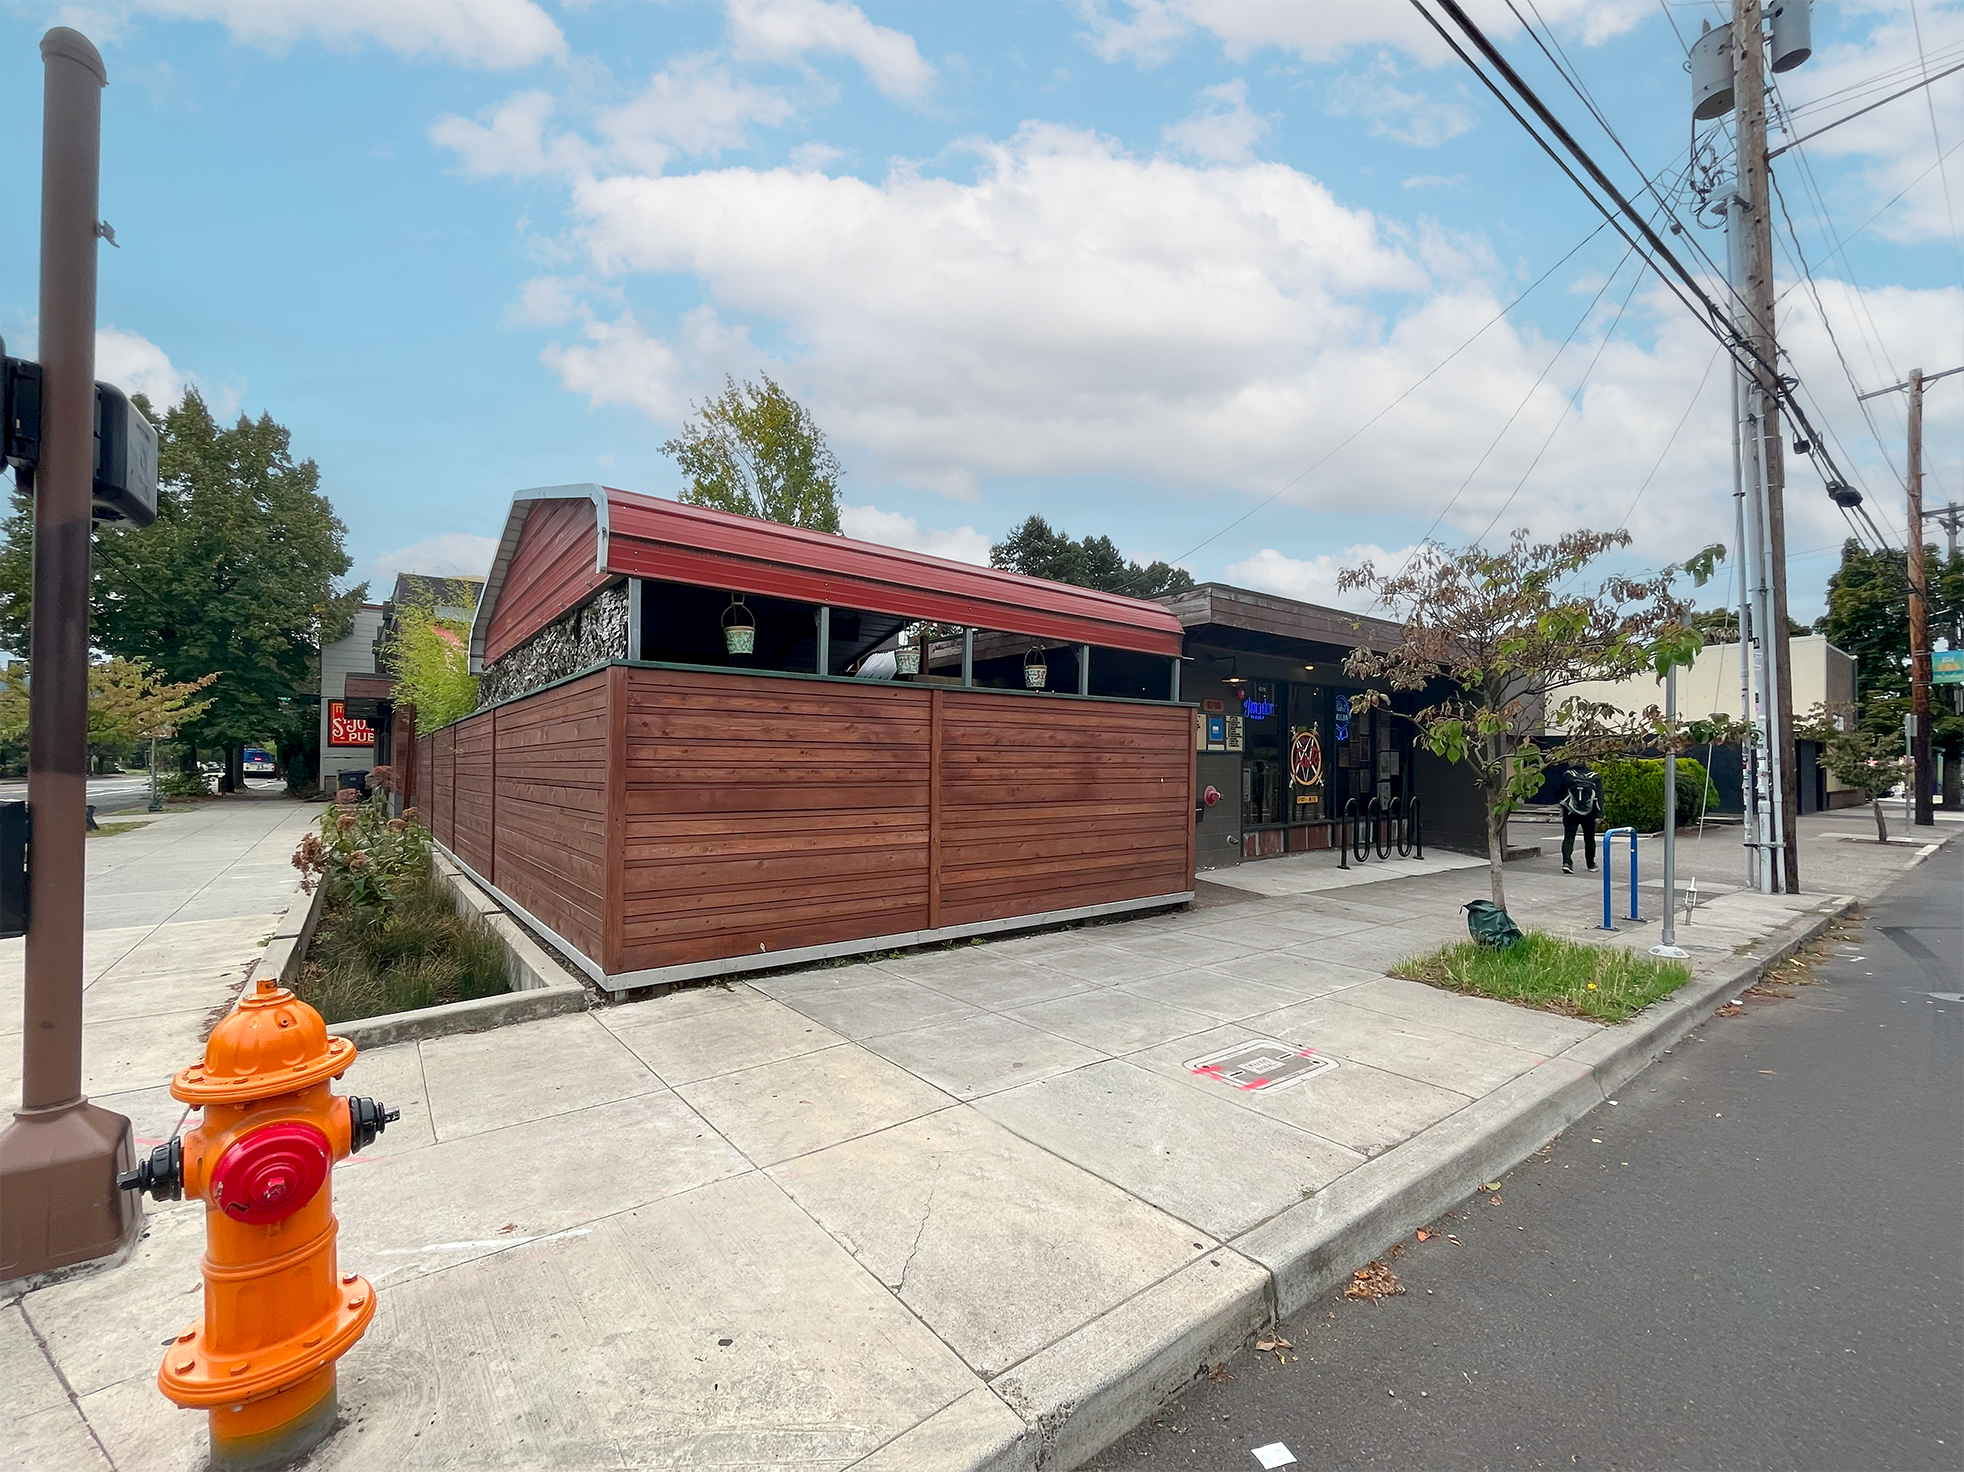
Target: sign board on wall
point(343, 731)
point(1947, 666)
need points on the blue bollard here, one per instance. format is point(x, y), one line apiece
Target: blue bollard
point(1609, 866)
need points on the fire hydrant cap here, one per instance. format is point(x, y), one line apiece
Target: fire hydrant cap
point(271, 1173)
point(271, 1043)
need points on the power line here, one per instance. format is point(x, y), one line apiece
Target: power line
point(1935, 137)
point(1420, 383)
point(1683, 419)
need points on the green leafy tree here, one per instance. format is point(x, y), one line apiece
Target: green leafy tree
point(129, 703)
point(429, 657)
point(756, 451)
point(1040, 550)
point(1868, 617)
point(235, 578)
point(1493, 639)
point(1868, 762)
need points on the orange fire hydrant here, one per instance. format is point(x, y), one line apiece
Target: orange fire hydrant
point(278, 1310)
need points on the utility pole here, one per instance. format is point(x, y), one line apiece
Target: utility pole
point(1919, 612)
point(1950, 518)
point(1749, 92)
point(59, 1206)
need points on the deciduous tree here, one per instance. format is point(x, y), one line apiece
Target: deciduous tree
point(1040, 550)
point(429, 658)
point(755, 450)
point(1493, 639)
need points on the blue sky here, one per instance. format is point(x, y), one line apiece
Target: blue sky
point(1136, 267)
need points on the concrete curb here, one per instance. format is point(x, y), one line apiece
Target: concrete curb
point(1081, 1394)
point(540, 986)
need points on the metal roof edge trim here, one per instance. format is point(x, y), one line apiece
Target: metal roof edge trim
point(521, 507)
point(1149, 617)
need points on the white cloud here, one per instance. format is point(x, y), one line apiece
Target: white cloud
point(447, 554)
point(892, 529)
point(511, 140)
point(692, 107)
point(1149, 31)
point(784, 30)
point(1223, 130)
point(1412, 118)
point(137, 365)
point(814, 155)
point(1314, 579)
point(1436, 181)
point(619, 363)
point(546, 301)
point(485, 33)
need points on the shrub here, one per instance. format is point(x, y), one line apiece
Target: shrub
point(416, 951)
point(361, 854)
point(184, 784)
point(1633, 793)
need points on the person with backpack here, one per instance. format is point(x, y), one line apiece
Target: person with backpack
point(1582, 803)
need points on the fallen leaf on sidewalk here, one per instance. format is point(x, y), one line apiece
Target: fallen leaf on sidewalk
point(1730, 1009)
point(1272, 1344)
point(1425, 1236)
point(1375, 1281)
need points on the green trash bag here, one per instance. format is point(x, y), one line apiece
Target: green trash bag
point(1489, 925)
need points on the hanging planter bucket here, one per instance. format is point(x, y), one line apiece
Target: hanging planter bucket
point(739, 627)
point(907, 659)
point(1036, 672)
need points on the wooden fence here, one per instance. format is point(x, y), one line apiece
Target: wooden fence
point(663, 821)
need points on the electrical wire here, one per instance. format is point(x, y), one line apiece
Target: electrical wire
point(1936, 138)
point(1683, 419)
point(1568, 403)
point(1418, 384)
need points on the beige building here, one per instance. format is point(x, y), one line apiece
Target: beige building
point(1822, 675)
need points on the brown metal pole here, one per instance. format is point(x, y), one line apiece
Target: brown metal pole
point(1919, 612)
point(1749, 92)
point(59, 1205)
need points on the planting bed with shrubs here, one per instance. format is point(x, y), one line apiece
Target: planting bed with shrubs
point(389, 939)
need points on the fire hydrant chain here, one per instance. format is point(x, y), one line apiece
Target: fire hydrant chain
point(278, 1311)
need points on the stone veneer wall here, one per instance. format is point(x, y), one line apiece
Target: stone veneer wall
point(591, 634)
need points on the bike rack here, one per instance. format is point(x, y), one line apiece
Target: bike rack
point(1609, 865)
point(1380, 827)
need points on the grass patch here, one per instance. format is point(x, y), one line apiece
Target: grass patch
point(1601, 983)
point(423, 954)
point(110, 830)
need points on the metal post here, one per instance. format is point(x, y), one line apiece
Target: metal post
point(1084, 669)
point(1176, 680)
point(1633, 876)
point(968, 657)
point(156, 798)
point(1749, 759)
point(59, 1205)
point(1609, 868)
point(1919, 612)
point(1668, 945)
point(824, 659)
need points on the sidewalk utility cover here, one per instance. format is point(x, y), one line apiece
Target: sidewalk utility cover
point(1262, 1063)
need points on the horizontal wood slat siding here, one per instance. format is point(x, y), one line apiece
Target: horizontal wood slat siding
point(752, 815)
point(552, 569)
point(769, 814)
point(551, 835)
point(472, 797)
point(1052, 807)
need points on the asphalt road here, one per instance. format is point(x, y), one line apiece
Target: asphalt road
point(1751, 1260)
point(119, 793)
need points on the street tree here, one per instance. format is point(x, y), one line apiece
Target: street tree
point(236, 577)
point(1491, 641)
point(1868, 617)
point(429, 657)
point(755, 450)
point(1039, 550)
point(1868, 762)
point(129, 703)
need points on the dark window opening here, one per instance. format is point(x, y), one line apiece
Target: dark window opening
point(681, 624)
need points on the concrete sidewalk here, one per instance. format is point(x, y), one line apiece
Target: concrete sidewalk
point(177, 913)
point(955, 1208)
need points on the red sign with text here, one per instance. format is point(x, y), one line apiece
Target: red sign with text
point(343, 731)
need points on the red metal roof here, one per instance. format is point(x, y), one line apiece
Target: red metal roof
point(649, 537)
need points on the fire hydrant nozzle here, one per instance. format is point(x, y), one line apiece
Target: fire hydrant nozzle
point(278, 1310)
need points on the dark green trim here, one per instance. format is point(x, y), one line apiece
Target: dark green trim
point(723, 669)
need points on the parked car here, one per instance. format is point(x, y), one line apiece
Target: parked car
point(258, 763)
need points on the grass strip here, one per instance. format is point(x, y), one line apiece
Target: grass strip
point(1601, 983)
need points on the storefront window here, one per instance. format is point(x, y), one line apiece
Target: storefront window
point(1264, 763)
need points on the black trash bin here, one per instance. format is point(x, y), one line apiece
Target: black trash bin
point(356, 780)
